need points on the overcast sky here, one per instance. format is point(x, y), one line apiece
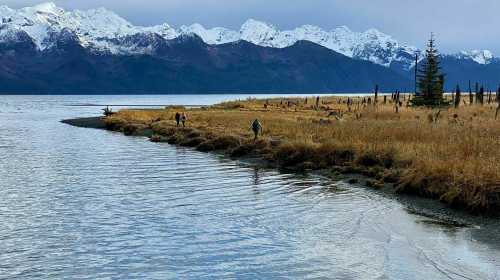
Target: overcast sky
point(458, 24)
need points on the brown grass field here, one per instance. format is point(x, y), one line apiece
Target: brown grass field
point(449, 154)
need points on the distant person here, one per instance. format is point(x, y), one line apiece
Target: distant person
point(178, 118)
point(183, 119)
point(256, 128)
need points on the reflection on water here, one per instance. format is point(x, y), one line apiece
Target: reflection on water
point(89, 204)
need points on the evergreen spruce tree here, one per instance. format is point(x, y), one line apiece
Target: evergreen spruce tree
point(430, 79)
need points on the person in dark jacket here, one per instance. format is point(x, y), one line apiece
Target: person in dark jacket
point(178, 118)
point(256, 128)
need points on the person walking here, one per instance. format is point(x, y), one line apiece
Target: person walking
point(178, 118)
point(256, 128)
point(183, 119)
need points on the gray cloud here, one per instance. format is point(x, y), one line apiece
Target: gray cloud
point(458, 24)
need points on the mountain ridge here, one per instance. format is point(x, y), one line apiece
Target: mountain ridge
point(186, 65)
point(46, 49)
point(101, 29)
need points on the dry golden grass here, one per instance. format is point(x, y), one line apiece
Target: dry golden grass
point(455, 157)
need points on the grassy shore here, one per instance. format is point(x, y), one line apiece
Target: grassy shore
point(450, 154)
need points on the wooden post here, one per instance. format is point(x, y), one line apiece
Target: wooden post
point(481, 95)
point(397, 101)
point(457, 97)
point(471, 97)
point(477, 92)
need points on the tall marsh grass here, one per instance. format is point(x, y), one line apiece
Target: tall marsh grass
point(450, 154)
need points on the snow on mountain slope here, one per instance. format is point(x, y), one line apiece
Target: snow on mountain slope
point(35, 21)
point(10, 34)
point(213, 36)
point(96, 28)
point(479, 56)
point(263, 34)
point(103, 30)
point(371, 45)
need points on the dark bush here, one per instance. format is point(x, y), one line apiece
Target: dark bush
point(163, 128)
point(134, 129)
point(243, 150)
point(371, 158)
point(192, 134)
point(368, 159)
point(222, 143)
point(174, 139)
point(291, 155)
point(329, 155)
point(251, 147)
point(261, 144)
point(192, 142)
point(115, 124)
point(206, 146)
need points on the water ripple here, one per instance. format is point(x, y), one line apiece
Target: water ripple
point(90, 204)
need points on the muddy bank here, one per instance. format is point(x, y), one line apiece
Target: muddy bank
point(92, 122)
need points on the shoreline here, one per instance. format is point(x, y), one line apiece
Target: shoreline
point(90, 122)
point(257, 152)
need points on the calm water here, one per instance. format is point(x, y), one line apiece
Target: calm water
point(80, 203)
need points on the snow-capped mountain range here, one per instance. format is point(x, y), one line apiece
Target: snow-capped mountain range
point(103, 30)
point(479, 56)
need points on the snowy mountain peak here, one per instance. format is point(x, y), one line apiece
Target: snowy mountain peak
point(479, 56)
point(260, 33)
point(371, 45)
point(214, 36)
point(376, 33)
point(104, 30)
point(342, 29)
point(252, 24)
point(48, 7)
